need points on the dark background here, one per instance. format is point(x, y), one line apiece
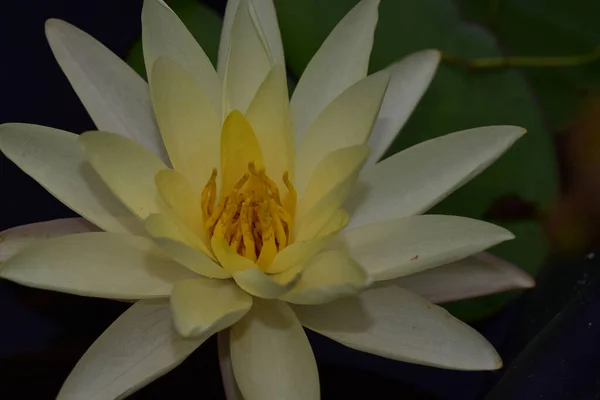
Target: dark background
point(549, 338)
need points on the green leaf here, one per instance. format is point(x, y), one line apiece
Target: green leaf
point(203, 23)
point(457, 99)
point(548, 28)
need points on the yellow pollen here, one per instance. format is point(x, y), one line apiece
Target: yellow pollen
point(253, 217)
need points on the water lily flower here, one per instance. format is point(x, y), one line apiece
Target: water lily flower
point(218, 204)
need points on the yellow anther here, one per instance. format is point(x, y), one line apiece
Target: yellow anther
point(280, 233)
point(247, 236)
point(209, 194)
point(236, 241)
point(274, 192)
point(251, 217)
point(227, 217)
point(269, 248)
point(209, 223)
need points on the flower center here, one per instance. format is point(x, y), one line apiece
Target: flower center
point(251, 217)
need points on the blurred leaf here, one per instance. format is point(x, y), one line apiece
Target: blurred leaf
point(203, 23)
point(548, 28)
point(559, 324)
point(457, 99)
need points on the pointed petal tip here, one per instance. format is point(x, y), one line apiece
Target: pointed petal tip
point(434, 55)
point(52, 23)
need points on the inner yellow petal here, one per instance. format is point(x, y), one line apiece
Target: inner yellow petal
point(239, 147)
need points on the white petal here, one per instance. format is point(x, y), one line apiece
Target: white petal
point(415, 179)
point(248, 63)
point(265, 19)
point(232, 391)
point(394, 323)
point(346, 121)
point(140, 346)
point(478, 275)
point(55, 160)
point(114, 95)
point(271, 356)
point(405, 246)
point(410, 78)
point(96, 264)
point(341, 61)
point(15, 239)
point(327, 276)
point(127, 168)
point(202, 307)
point(163, 34)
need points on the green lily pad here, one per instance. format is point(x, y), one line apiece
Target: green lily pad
point(204, 23)
point(457, 99)
point(548, 28)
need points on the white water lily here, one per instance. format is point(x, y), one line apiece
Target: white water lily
point(274, 216)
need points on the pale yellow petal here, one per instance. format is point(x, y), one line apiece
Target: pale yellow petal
point(474, 276)
point(189, 124)
point(414, 180)
point(328, 276)
point(181, 244)
point(140, 346)
point(259, 284)
point(336, 223)
point(249, 277)
point(297, 253)
point(114, 95)
point(400, 247)
point(178, 194)
point(394, 323)
point(163, 34)
point(191, 258)
point(341, 61)
point(410, 78)
point(229, 259)
point(97, 264)
point(269, 115)
point(271, 356)
point(16, 239)
point(334, 168)
point(127, 168)
point(239, 147)
point(248, 63)
point(55, 160)
point(318, 218)
point(202, 307)
point(324, 200)
point(265, 20)
point(346, 121)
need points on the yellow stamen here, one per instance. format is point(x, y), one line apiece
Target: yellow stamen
point(209, 193)
point(269, 247)
point(280, 233)
point(247, 235)
point(252, 217)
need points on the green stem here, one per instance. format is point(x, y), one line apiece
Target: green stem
point(516, 61)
